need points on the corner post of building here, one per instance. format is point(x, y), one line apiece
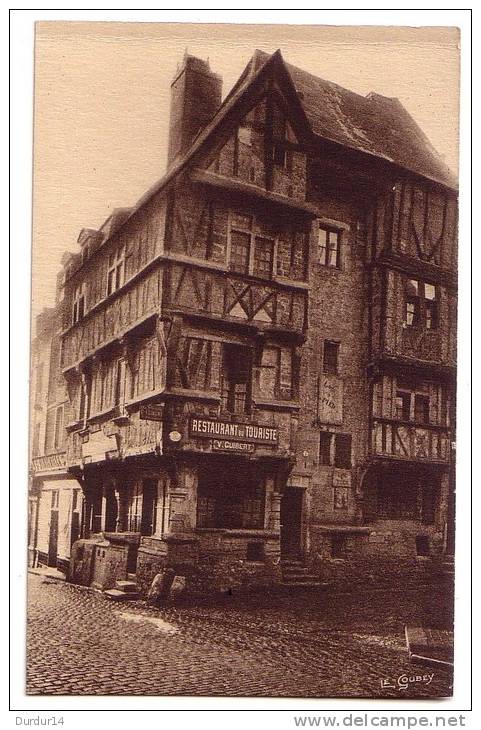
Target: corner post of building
point(183, 498)
point(273, 493)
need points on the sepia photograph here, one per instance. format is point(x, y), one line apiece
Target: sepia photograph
point(243, 361)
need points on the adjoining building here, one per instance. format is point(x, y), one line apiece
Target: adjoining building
point(55, 496)
point(259, 357)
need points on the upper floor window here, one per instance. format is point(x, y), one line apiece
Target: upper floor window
point(275, 373)
point(250, 253)
point(85, 252)
point(79, 298)
point(236, 378)
point(412, 402)
point(421, 305)
point(335, 449)
point(59, 429)
point(263, 256)
point(116, 270)
point(330, 357)
point(244, 136)
point(120, 383)
point(329, 242)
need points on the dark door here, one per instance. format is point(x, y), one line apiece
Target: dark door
point(149, 498)
point(291, 515)
point(111, 511)
point(53, 539)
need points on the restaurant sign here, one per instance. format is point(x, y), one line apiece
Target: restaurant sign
point(248, 433)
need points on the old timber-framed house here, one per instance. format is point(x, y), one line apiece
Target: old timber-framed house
point(260, 356)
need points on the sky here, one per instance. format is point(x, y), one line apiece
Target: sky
point(102, 105)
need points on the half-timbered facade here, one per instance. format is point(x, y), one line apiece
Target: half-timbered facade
point(259, 357)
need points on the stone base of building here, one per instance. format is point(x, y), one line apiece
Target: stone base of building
point(213, 561)
point(377, 556)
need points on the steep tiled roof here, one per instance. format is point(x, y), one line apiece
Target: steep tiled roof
point(375, 124)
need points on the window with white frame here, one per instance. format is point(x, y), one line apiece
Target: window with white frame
point(412, 402)
point(79, 302)
point(250, 252)
point(421, 304)
point(329, 247)
point(116, 270)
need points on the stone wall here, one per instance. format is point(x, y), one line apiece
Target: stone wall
point(213, 561)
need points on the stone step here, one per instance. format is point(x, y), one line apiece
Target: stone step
point(127, 586)
point(113, 594)
point(305, 577)
point(295, 569)
point(132, 576)
point(303, 584)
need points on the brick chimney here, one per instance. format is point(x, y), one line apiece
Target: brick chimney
point(195, 96)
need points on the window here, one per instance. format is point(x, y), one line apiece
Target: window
point(235, 394)
point(338, 546)
point(330, 357)
point(421, 408)
point(230, 498)
point(431, 306)
point(341, 498)
point(239, 252)
point(342, 450)
point(421, 305)
point(325, 449)
point(120, 380)
point(59, 431)
point(75, 500)
point(54, 499)
point(244, 136)
point(82, 401)
point(329, 247)
point(79, 296)
point(422, 545)
point(414, 404)
point(279, 155)
point(250, 253)
point(255, 552)
point(116, 270)
point(263, 257)
point(403, 405)
point(275, 373)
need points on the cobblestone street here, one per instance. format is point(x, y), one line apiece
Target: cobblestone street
point(302, 644)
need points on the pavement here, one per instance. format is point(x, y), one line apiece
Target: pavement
point(291, 643)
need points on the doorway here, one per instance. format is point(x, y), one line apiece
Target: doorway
point(149, 503)
point(291, 522)
point(53, 531)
